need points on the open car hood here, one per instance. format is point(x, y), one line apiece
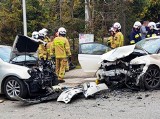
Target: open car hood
point(24, 45)
point(118, 53)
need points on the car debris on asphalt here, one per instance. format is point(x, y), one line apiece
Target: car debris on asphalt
point(63, 94)
point(1, 101)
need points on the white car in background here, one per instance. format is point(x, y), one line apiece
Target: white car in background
point(89, 56)
point(136, 66)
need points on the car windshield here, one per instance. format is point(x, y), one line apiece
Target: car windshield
point(150, 45)
point(5, 53)
point(24, 58)
point(93, 48)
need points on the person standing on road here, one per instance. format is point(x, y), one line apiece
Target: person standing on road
point(60, 48)
point(143, 29)
point(118, 38)
point(135, 34)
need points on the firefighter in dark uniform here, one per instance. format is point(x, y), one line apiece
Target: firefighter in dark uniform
point(135, 34)
point(152, 30)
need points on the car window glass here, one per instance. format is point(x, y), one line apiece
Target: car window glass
point(94, 49)
point(150, 46)
point(24, 58)
point(5, 53)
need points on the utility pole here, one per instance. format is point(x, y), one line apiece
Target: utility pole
point(24, 18)
point(60, 11)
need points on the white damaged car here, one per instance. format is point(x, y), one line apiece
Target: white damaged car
point(16, 80)
point(12, 76)
point(136, 66)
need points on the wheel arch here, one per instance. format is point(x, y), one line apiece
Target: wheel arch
point(153, 65)
point(3, 81)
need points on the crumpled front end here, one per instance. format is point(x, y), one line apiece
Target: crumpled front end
point(120, 71)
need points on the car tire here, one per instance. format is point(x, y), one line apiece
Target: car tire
point(14, 86)
point(152, 78)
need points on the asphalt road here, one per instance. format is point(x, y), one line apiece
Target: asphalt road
point(119, 104)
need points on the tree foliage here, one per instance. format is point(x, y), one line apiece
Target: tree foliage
point(70, 14)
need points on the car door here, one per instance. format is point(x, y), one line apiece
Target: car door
point(89, 56)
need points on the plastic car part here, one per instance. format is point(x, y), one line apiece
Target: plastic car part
point(68, 94)
point(91, 88)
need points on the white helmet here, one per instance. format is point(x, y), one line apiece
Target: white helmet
point(35, 34)
point(152, 25)
point(62, 30)
point(44, 31)
point(137, 24)
point(41, 33)
point(117, 25)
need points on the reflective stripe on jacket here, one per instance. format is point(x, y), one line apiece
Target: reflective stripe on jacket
point(152, 33)
point(60, 47)
point(135, 36)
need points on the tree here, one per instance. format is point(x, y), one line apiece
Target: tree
point(10, 20)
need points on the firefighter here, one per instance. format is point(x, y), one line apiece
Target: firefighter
point(111, 41)
point(43, 50)
point(55, 34)
point(135, 34)
point(118, 38)
point(60, 48)
point(153, 30)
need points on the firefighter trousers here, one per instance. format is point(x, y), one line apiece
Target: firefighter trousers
point(60, 67)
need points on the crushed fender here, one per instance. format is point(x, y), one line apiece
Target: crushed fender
point(91, 88)
point(88, 89)
point(68, 94)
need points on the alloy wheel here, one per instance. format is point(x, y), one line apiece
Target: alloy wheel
point(13, 88)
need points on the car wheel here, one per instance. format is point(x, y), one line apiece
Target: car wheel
point(14, 87)
point(152, 78)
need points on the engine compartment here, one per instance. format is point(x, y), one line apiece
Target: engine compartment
point(120, 71)
point(42, 77)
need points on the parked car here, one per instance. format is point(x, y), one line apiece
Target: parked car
point(137, 66)
point(16, 80)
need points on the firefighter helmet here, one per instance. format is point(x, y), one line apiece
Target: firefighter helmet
point(62, 30)
point(152, 25)
point(137, 24)
point(117, 25)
